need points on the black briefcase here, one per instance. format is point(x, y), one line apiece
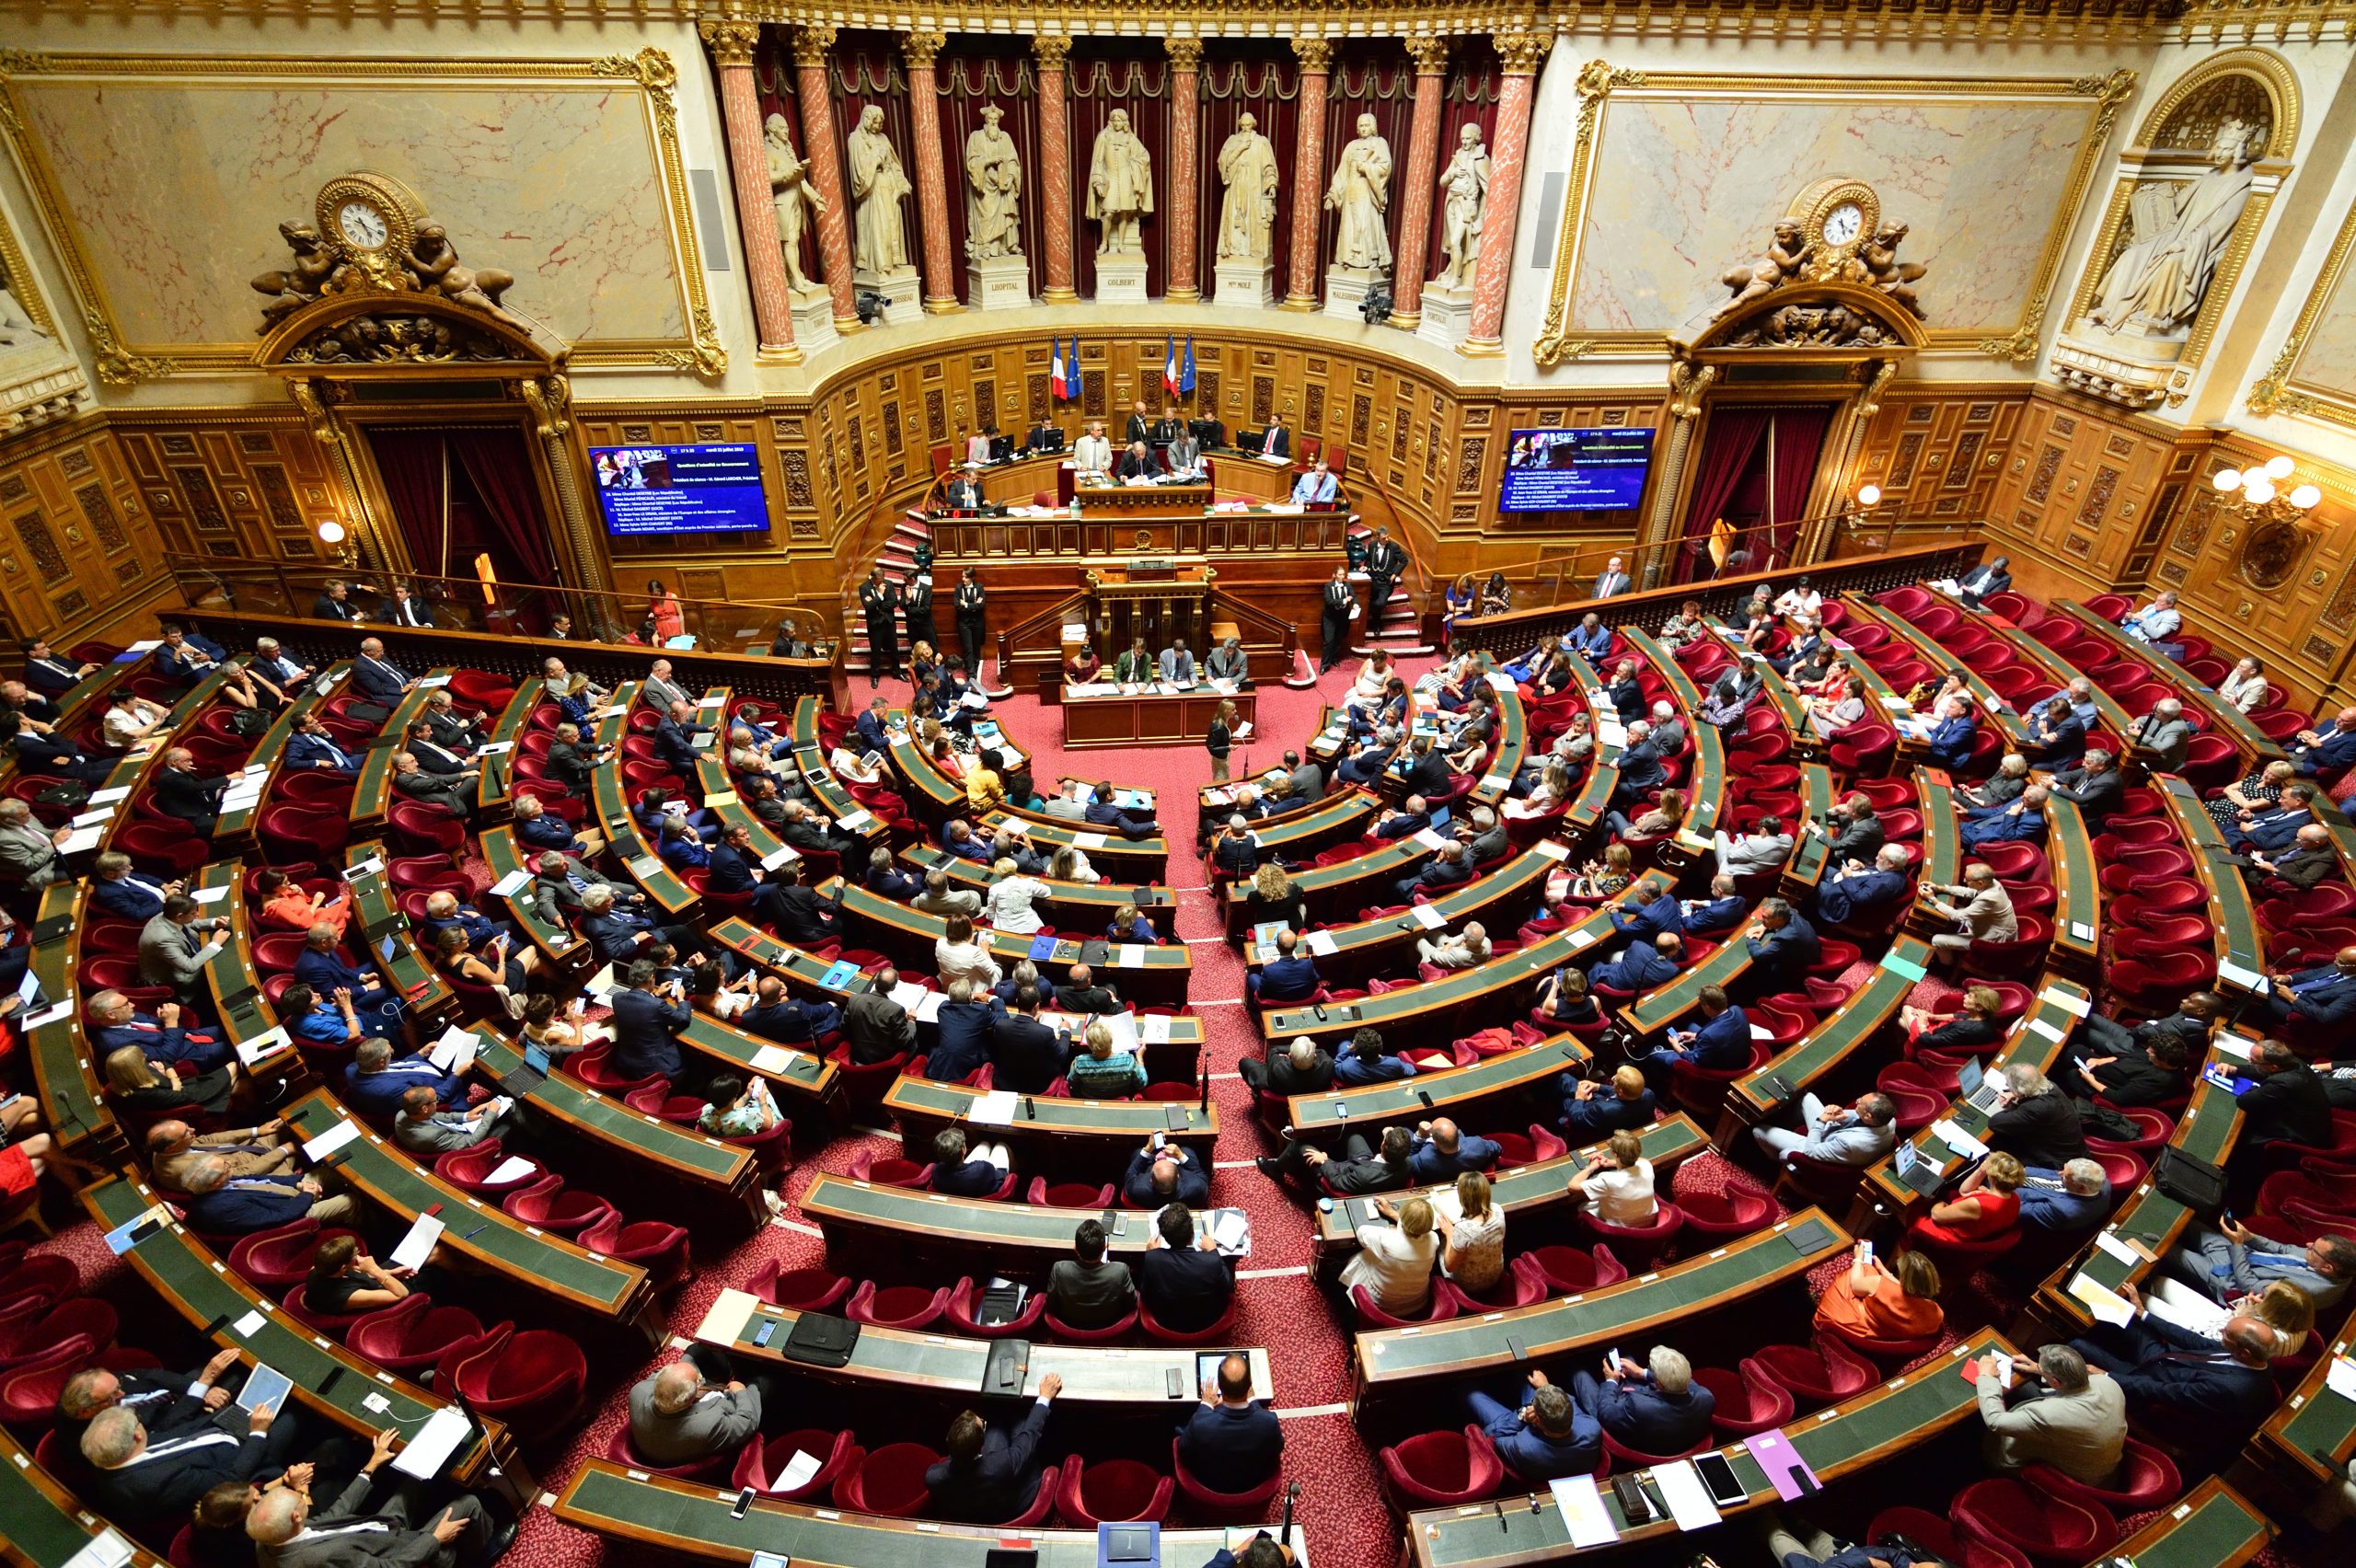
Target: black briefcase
point(821, 1339)
point(2191, 1180)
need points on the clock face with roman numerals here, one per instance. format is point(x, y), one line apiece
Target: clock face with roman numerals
point(361, 225)
point(1843, 223)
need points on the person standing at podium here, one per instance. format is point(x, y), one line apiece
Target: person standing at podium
point(880, 600)
point(970, 604)
point(1091, 455)
point(1138, 463)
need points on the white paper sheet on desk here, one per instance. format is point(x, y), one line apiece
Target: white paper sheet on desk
point(108, 796)
point(2340, 1377)
point(2040, 1026)
point(368, 867)
point(81, 839)
point(2233, 1045)
point(430, 682)
point(2248, 979)
point(1951, 1134)
point(89, 819)
point(995, 1109)
point(410, 1253)
point(1549, 849)
point(1088, 840)
point(907, 993)
point(327, 1143)
point(244, 1328)
point(1130, 955)
point(2109, 1243)
point(1154, 1027)
point(1689, 1501)
point(928, 1009)
point(1431, 840)
point(50, 1014)
point(267, 1043)
point(1230, 1230)
point(454, 1052)
point(209, 895)
point(434, 1443)
point(512, 884)
point(1583, 1512)
point(779, 857)
point(515, 1168)
point(108, 1549)
point(1323, 944)
point(2076, 1006)
point(1610, 733)
point(2106, 1304)
point(1427, 916)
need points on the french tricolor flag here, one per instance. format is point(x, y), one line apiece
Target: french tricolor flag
point(1063, 370)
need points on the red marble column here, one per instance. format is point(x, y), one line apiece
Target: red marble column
point(748, 166)
point(919, 49)
point(1054, 167)
point(1523, 54)
point(822, 155)
point(1184, 281)
point(1308, 172)
point(1430, 55)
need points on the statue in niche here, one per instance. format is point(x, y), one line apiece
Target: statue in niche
point(2176, 234)
point(879, 245)
point(993, 191)
point(794, 195)
point(1361, 192)
point(1247, 218)
point(302, 281)
point(436, 262)
point(1120, 187)
point(1464, 191)
point(1785, 255)
point(17, 328)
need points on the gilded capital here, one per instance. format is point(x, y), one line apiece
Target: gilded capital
point(920, 49)
point(1050, 52)
point(1185, 54)
point(1430, 55)
point(1314, 54)
point(1523, 53)
point(731, 43)
point(811, 44)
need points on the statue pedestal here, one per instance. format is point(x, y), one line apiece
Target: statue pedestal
point(1346, 288)
point(814, 319)
point(1120, 278)
point(902, 296)
point(1447, 314)
point(1001, 282)
point(2130, 369)
point(1244, 284)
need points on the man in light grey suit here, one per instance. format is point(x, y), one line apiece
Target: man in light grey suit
point(1850, 1134)
point(171, 950)
point(2165, 732)
point(2077, 1424)
point(422, 1127)
point(677, 1417)
point(2232, 1262)
point(660, 690)
point(286, 1533)
point(1764, 848)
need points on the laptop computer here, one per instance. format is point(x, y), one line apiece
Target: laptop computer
point(1914, 1171)
point(1978, 1090)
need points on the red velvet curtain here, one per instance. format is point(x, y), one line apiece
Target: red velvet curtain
point(414, 465)
point(1258, 77)
point(1732, 441)
point(1799, 439)
point(1132, 76)
point(498, 465)
point(1376, 77)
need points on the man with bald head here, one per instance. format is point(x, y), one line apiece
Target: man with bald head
point(1444, 1152)
point(692, 1408)
point(2310, 859)
point(139, 1479)
point(178, 789)
point(2221, 1384)
point(167, 1403)
point(358, 1527)
point(2324, 994)
point(1166, 1174)
point(378, 677)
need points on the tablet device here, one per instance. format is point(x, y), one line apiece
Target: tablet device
point(265, 1384)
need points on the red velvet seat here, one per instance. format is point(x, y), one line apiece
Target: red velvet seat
point(413, 1335)
point(1222, 1506)
point(1819, 1373)
point(548, 1205)
point(2040, 1525)
point(909, 1307)
point(803, 1290)
point(39, 1334)
point(622, 1451)
point(1573, 1270)
point(1111, 1492)
point(1739, 1209)
point(2147, 1478)
point(1747, 1402)
point(1216, 1332)
point(889, 1482)
point(1527, 1149)
point(1110, 1334)
point(593, 1065)
point(49, 1277)
point(28, 1390)
point(965, 1298)
point(468, 1169)
point(1441, 1309)
point(1642, 1245)
point(1890, 1351)
point(1522, 1285)
point(1918, 1096)
point(836, 1452)
point(1440, 1469)
point(531, 1381)
point(1626, 1459)
point(657, 1246)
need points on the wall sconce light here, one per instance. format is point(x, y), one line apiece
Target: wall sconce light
point(333, 535)
point(1869, 496)
point(2257, 493)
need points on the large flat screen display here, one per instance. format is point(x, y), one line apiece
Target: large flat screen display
point(1576, 470)
point(679, 490)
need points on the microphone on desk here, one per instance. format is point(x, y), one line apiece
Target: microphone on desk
point(1206, 1089)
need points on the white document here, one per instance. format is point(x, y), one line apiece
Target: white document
point(268, 1042)
point(1427, 916)
point(515, 1168)
point(2076, 1006)
point(1431, 840)
point(90, 819)
point(1584, 1513)
point(1689, 1501)
point(798, 1471)
point(2248, 979)
point(907, 993)
point(1154, 1027)
point(50, 1014)
point(2173, 1303)
point(1123, 1028)
point(772, 1059)
point(1552, 850)
point(2233, 1045)
point(1131, 956)
point(368, 867)
point(327, 1143)
point(512, 884)
point(1500, 681)
point(434, 1443)
point(454, 1052)
point(779, 857)
point(245, 1326)
point(995, 1109)
point(2109, 1243)
point(1758, 1033)
point(108, 1549)
point(928, 1009)
point(854, 822)
point(210, 894)
point(1088, 840)
point(1951, 1134)
point(2040, 1026)
point(108, 796)
point(430, 682)
point(81, 839)
point(1579, 936)
point(494, 748)
point(2340, 1377)
point(2106, 1304)
point(410, 1253)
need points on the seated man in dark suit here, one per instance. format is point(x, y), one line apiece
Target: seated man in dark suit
point(991, 1475)
point(675, 734)
point(127, 894)
point(1303, 1067)
point(186, 658)
point(1856, 832)
point(1653, 1409)
point(1426, 772)
point(177, 789)
point(57, 752)
point(1448, 867)
point(1412, 817)
point(1164, 1173)
point(1782, 946)
point(1291, 977)
point(141, 1480)
point(1722, 911)
point(51, 674)
point(347, 1530)
point(1187, 1283)
point(167, 1404)
point(1544, 1437)
point(2326, 748)
point(777, 1014)
point(1863, 894)
point(1105, 810)
point(2220, 1386)
point(1369, 1061)
point(1231, 1442)
point(1642, 966)
point(1719, 1042)
point(1445, 1151)
point(2289, 1103)
point(334, 604)
point(1361, 1168)
point(2056, 734)
point(2276, 828)
point(2022, 822)
point(649, 1017)
point(1593, 1111)
point(1646, 910)
point(1086, 1290)
point(1028, 1055)
point(1081, 993)
point(2324, 995)
point(2097, 789)
point(963, 1045)
point(1236, 852)
point(962, 1172)
point(314, 747)
point(378, 678)
point(220, 1204)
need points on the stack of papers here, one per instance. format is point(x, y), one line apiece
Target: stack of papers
point(995, 1109)
point(454, 1052)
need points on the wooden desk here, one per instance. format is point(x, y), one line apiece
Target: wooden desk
point(1789, 705)
point(1381, 947)
point(2240, 940)
point(2054, 667)
point(64, 1077)
point(238, 1004)
point(524, 1256)
point(47, 1526)
point(628, 842)
point(2077, 889)
point(406, 970)
point(492, 789)
point(907, 935)
point(1705, 781)
point(2212, 1526)
point(1177, 717)
point(372, 793)
point(1389, 1362)
point(1993, 706)
point(1342, 888)
point(1808, 1061)
point(894, 1362)
point(232, 829)
point(1454, 1091)
point(936, 801)
point(2312, 1422)
point(2218, 716)
point(1673, 999)
point(974, 1236)
point(693, 1521)
point(1092, 1137)
point(1123, 502)
point(811, 758)
point(558, 942)
point(1295, 836)
point(1811, 855)
point(1881, 1425)
point(1459, 1003)
point(1069, 906)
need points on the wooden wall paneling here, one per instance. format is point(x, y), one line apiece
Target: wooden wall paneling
point(79, 557)
point(1937, 452)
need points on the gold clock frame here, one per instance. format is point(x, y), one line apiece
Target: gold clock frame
point(401, 210)
point(1817, 202)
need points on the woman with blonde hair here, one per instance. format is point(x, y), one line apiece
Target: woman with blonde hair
point(139, 1084)
point(1007, 903)
point(1220, 739)
point(1473, 1234)
point(1600, 880)
point(1072, 865)
point(1617, 1184)
point(1395, 1260)
point(1666, 817)
point(1273, 898)
point(1987, 1204)
point(1875, 1301)
point(1552, 789)
point(2247, 796)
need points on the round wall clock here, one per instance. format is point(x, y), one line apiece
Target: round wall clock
point(1836, 216)
point(372, 218)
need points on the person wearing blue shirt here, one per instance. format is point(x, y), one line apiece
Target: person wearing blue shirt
point(374, 1082)
point(2327, 747)
point(1291, 977)
point(2067, 1202)
point(1593, 1111)
point(2021, 822)
point(1366, 1063)
point(1317, 485)
point(958, 839)
point(186, 657)
point(1863, 894)
point(314, 747)
point(1444, 1152)
point(1128, 926)
point(2156, 624)
point(1951, 737)
point(1653, 1409)
point(2324, 995)
point(958, 1173)
point(1546, 1436)
point(1231, 1442)
point(1590, 639)
point(1722, 911)
point(1642, 966)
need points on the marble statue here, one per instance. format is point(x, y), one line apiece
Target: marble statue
point(1464, 191)
point(1120, 187)
point(1247, 218)
point(993, 191)
point(1361, 192)
point(2176, 234)
point(17, 328)
point(794, 195)
point(879, 245)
